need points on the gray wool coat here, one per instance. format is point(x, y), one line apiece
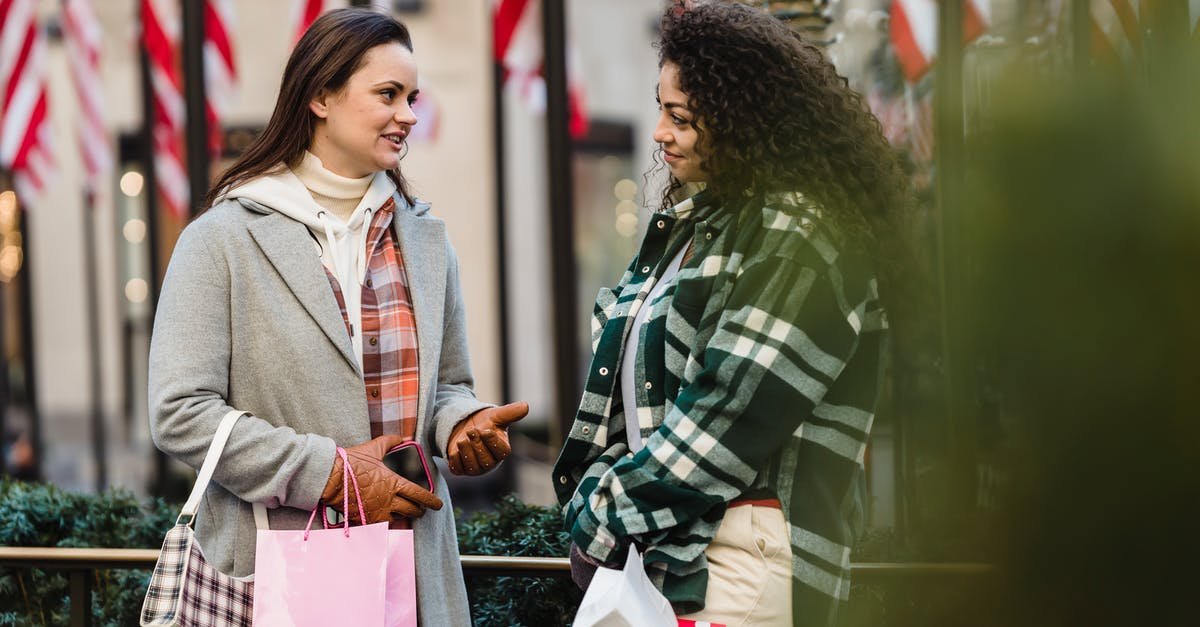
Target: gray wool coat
point(247, 321)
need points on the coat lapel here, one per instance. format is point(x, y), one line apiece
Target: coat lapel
point(423, 248)
point(288, 247)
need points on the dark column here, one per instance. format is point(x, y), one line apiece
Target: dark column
point(562, 214)
point(150, 194)
point(197, 107)
point(949, 157)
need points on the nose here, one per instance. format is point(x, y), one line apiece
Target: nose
point(662, 133)
point(406, 115)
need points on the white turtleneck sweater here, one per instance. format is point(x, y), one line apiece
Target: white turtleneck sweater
point(338, 212)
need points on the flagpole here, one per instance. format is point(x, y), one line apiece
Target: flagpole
point(197, 102)
point(29, 364)
point(158, 482)
point(501, 230)
point(99, 439)
point(562, 215)
point(949, 155)
point(6, 184)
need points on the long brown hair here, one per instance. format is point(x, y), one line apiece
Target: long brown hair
point(330, 51)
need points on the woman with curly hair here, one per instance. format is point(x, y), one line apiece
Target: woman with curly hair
point(737, 363)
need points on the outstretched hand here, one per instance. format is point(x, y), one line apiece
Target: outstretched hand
point(479, 442)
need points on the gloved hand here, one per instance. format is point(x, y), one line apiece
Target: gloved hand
point(479, 442)
point(385, 495)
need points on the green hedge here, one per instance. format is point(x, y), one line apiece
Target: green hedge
point(35, 514)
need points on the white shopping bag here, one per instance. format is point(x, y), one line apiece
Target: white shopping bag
point(624, 598)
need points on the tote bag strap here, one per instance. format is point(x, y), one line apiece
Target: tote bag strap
point(210, 464)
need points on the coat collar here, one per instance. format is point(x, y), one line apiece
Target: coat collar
point(288, 246)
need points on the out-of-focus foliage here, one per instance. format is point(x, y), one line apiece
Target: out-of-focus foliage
point(1082, 242)
point(42, 515)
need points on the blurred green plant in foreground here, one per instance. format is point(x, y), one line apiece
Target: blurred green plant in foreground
point(1081, 239)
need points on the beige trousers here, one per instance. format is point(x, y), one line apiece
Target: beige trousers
point(749, 570)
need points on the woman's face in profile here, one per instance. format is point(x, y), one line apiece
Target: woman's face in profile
point(361, 128)
point(676, 131)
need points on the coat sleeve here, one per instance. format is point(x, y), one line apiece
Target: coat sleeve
point(455, 391)
point(189, 386)
point(782, 338)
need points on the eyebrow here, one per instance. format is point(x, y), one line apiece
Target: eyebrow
point(397, 84)
point(669, 105)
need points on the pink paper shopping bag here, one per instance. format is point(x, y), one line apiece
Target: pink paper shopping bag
point(323, 577)
point(400, 604)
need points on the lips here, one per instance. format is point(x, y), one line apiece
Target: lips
point(670, 156)
point(396, 139)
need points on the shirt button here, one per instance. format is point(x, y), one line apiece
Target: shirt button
point(661, 224)
point(374, 341)
point(586, 430)
point(370, 283)
point(603, 371)
point(649, 385)
point(375, 393)
point(645, 268)
point(708, 236)
point(562, 479)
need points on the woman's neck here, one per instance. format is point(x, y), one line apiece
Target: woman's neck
point(338, 194)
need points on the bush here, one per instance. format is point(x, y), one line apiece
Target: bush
point(517, 529)
point(42, 515)
point(36, 514)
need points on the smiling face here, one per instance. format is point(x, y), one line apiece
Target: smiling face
point(361, 128)
point(676, 128)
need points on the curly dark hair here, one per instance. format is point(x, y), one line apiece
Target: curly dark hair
point(774, 115)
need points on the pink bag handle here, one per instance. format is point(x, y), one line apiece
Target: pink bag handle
point(347, 477)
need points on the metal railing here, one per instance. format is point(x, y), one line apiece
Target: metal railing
point(78, 563)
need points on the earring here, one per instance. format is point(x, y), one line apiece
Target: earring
point(404, 152)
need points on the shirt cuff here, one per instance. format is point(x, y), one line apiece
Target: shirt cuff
point(594, 539)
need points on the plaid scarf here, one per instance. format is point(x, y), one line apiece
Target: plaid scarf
point(389, 332)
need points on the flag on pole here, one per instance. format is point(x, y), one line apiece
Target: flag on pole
point(305, 12)
point(160, 36)
point(517, 46)
point(25, 135)
point(81, 35)
point(220, 69)
point(914, 26)
point(1117, 33)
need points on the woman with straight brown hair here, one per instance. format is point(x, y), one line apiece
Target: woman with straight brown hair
point(320, 297)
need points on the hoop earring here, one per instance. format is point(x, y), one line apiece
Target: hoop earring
point(404, 153)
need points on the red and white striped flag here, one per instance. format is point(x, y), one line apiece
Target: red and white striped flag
point(25, 135)
point(1117, 33)
point(517, 41)
point(160, 36)
point(220, 69)
point(305, 12)
point(914, 25)
point(81, 35)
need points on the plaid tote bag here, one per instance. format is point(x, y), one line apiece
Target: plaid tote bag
point(185, 590)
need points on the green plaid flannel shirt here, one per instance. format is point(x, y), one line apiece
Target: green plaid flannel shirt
point(758, 372)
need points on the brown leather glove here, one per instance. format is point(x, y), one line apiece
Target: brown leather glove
point(386, 496)
point(479, 442)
